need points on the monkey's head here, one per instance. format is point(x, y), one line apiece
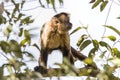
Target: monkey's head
point(62, 22)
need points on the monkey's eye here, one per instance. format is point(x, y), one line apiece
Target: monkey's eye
point(56, 22)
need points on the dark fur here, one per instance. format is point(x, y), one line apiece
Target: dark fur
point(55, 35)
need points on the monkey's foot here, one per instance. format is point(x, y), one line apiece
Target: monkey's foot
point(40, 69)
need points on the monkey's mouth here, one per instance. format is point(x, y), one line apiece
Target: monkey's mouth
point(69, 26)
point(67, 29)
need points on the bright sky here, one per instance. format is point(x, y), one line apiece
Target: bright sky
point(81, 14)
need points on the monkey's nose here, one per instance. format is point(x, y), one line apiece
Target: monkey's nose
point(70, 25)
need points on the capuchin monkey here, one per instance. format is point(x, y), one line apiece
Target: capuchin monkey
point(54, 35)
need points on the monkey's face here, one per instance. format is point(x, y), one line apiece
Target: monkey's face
point(62, 23)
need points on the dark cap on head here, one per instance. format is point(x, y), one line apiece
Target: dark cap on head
point(62, 13)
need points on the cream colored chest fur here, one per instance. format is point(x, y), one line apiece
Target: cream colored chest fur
point(54, 40)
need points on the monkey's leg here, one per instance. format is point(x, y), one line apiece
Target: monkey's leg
point(44, 57)
point(42, 68)
point(67, 54)
point(71, 58)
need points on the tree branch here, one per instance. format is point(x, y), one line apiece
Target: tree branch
point(77, 54)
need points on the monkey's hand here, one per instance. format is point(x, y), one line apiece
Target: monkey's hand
point(40, 69)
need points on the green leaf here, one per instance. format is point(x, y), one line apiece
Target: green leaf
point(13, 2)
point(2, 19)
point(8, 13)
point(92, 1)
point(1, 73)
point(26, 20)
point(78, 28)
point(81, 39)
point(85, 44)
point(110, 59)
point(118, 17)
point(15, 10)
point(53, 4)
point(15, 48)
point(112, 76)
point(48, 1)
point(84, 72)
point(109, 70)
point(8, 30)
point(112, 38)
point(5, 46)
point(61, 2)
point(104, 44)
point(22, 4)
point(114, 29)
point(95, 44)
point(21, 32)
point(103, 5)
point(19, 17)
point(92, 52)
point(27, 34)
point(17, 64)
point(89, 60)
point(96, 3)
point(23, 42)
point(116, 52)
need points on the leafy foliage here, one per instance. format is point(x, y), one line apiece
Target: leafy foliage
point(14, 49)
point(97, 46)
point(102, 4)
point(113, 28)
point(51, 3)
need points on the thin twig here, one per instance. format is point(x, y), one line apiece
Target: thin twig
point(4, 56)
point(107, 18)
point(116, 42)
point(116, 2)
